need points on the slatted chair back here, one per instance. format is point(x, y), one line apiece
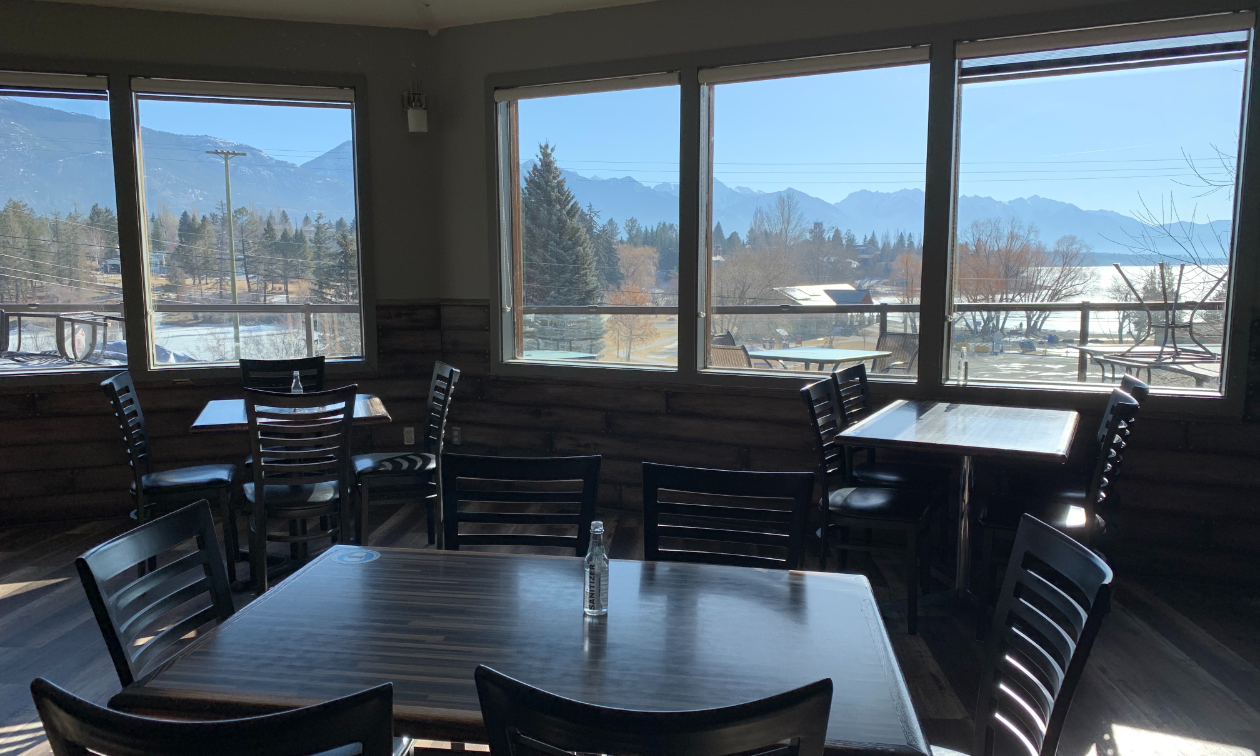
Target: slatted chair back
point(703, 514)
point(360, 724)
point(301, 439)
point(1113, 438)
point(122, 395)
point(725, 338)
point(142, 618)
point(550, 492)
point(522, 720)
point(441, 386)
point(826, 423)
point(853, 393)
point(1052, 605)
point(729, 356)
point(905, 352)
point(277, 375)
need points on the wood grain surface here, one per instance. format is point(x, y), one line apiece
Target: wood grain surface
point(971, 429)
point(229, 414)
point(677, 636)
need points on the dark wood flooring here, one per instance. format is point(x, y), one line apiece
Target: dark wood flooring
point(1175, 670)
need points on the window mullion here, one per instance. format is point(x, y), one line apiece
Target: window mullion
point(122, 119)
point(692, 329)
point(938, 215)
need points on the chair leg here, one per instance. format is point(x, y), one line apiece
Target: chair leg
point(430, 506)
point(230, 544)
point(926, 551)
point(360, 535)
point(984, 581)
point(258, 549)
point(822, 540)
point(842, 554)
point(912, 581)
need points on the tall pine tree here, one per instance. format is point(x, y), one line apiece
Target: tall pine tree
point(559, 259)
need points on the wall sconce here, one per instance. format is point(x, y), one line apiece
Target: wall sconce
point(416, 103)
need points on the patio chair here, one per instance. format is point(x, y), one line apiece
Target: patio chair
point(722, 339)
point(905, 353)
point(729, 356)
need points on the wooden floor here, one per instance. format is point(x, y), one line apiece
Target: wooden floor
point(1175, 670)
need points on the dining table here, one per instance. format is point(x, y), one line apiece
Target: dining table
point(677, 636)
point(821, 356)
point(967, 431)
point(229, 414)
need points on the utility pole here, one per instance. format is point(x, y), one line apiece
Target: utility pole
point(227, 156)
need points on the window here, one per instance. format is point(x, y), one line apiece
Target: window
point(589, 222)
point(60, 273)
point(251, 237)
point(815, 206)
point(1096, 190)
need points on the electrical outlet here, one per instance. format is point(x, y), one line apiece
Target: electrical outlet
point(409, 436)
point(457, 438)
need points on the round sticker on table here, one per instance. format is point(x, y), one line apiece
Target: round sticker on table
point(356, 556)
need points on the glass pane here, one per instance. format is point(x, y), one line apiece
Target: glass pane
point(60, 277)
point(1074, 190)
point(818, 204)
point(290, 245)
point(598, 219)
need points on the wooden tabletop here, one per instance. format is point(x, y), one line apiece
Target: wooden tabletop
point(677, 636)
point(229, 414)
point(968, 429)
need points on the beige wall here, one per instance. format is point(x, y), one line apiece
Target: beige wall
point(402, 187)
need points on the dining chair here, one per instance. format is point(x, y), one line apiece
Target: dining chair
point(522, 720)
point(300, 444)
point(551, 492)
point(360, 723)
point(712, 516)
point(277, 375)
point(1053, 601)
point(846, 506)
point(853, 396)
point(1073, 505)
point(413, 471)
point(155, 492)
point(144, 618)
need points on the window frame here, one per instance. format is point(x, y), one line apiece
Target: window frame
point(132, 225)
point(940, 193)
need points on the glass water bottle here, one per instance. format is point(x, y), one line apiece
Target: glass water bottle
point(296, 388)
point(595, 603)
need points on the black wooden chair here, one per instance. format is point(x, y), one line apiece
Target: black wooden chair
point(164, 490)
point(698, 511)
point(1072, 505)
point(277, 375)
point(416, 471)
point(845, 506)
point(853, 395)
point(300, 444)
point(1052, 605)
point(505, 491)
point(141, 619)
point(356, 724)
point(522, 720)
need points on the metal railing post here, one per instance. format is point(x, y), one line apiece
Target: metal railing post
point(308, 318)
point(1082, 359)
point(883, 319)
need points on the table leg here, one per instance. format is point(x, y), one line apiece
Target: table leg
point(962, 570)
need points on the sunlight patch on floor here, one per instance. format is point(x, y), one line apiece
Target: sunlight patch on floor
point(8, 590)
point(1133, 741)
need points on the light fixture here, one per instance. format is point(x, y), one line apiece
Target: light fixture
point(415, 103)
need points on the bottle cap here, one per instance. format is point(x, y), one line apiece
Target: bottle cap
point(597, 526)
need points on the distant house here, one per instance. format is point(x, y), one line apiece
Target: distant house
point(825, 294)
point(111, 265)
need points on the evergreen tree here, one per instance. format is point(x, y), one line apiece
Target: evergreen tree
point(326, 270)
point(559, 259)
point(604, 243)
point(634, 232)
point(719, 238)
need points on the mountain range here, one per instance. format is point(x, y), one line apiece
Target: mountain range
point(1110, 233)
point(56, 161)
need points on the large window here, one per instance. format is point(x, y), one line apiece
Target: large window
point(815, 205)
point(251, 234)
point(1096, 191)
point(60, 274)
point(589, 222)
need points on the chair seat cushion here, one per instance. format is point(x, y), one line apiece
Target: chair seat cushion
point(313, 495)
point(188, 479)
point(1062, 507)
point(900, 504)
point(900, 474)
point(393, 462)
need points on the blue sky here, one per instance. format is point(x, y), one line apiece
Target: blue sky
point(1100, 141)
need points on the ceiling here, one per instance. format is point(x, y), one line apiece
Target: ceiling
point(430, 15)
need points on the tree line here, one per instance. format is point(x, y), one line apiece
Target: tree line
point(56, 258)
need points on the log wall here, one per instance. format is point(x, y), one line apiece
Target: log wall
point(1189, 502)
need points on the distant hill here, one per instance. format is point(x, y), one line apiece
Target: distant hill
point(866, 211)
point(53, 159)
